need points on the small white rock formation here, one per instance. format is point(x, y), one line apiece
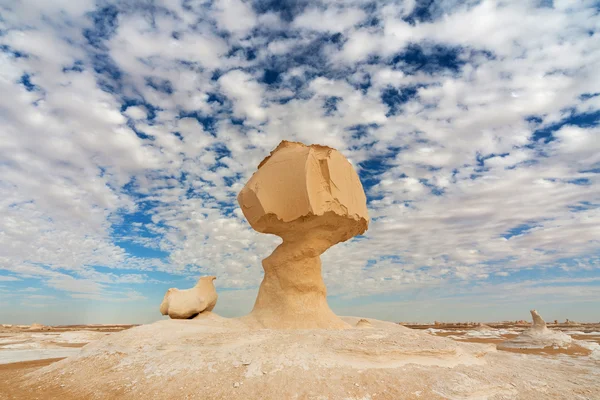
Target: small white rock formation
point(538, 322)
point(484, 327)
point(312, 198)
point(537, 337)
point(185, 304)
point(364, 324)
point(39, 327)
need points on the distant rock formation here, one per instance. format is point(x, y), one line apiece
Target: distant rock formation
point(537, 337)
point(364, 324)
point(484, 327)
point(538, 322)
point(184, 304)
point(312, 198)
point(39, 327)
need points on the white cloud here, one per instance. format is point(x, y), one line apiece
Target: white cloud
point(113, 297)
point(330, 19)
point(460, 170)
point(245, 93)
point(360, 45)
point(235, 16)
point(40, 297)
point(8, 278)
point(136, 112)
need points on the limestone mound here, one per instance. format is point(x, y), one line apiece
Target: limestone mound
point(534, 340)
point(211, 357)
point(538, 337)
point(531, 339)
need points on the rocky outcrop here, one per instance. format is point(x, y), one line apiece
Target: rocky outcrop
point(537, 337)
point(185, 304)
point(312, 198)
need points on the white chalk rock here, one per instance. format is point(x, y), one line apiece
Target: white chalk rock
point(184, 304)
point(537, 337)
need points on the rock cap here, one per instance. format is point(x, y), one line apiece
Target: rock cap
point(297, 181)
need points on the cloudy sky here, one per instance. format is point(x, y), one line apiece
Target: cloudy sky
point(128, 128)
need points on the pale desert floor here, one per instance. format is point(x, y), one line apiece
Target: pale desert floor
point(499, 332)
point(31, 366)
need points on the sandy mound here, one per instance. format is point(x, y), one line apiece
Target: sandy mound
point(216, 358)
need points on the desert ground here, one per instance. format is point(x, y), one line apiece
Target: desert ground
point(380, 360)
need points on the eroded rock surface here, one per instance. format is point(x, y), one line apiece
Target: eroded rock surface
point(312, 198)
point(184, 304)
point(205, 357)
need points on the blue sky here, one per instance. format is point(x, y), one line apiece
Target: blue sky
point(128, 128)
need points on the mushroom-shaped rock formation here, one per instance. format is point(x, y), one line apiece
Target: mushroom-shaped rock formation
point(184, 304)
point(537, 337)
point(312, 198)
